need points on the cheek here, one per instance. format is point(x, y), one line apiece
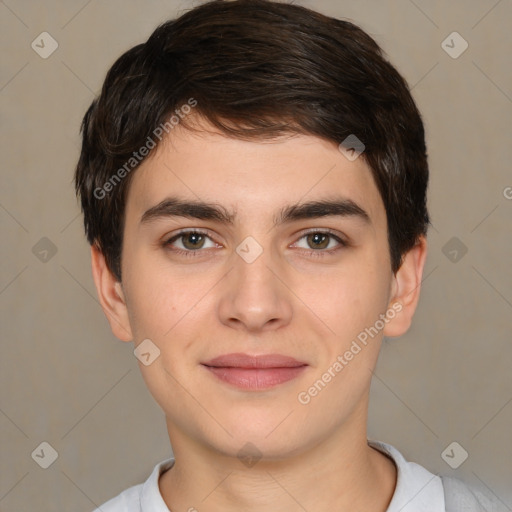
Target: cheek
point(168, 307)
point(155, 312)
point(350, 298)
point(159, 308)
point(354, 297)
point(154, 298)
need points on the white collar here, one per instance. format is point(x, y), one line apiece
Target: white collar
point(417, 490)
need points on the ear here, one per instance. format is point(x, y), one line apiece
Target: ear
point(111, 296)
point(405, 289)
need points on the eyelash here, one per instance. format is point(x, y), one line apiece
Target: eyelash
point(318, 253)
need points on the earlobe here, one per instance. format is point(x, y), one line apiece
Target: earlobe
point(111, 296)
point(406, 289)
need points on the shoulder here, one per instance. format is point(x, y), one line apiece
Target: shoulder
point(144, 497)
point(460, 497)
point(419, 490)
point(127, 501)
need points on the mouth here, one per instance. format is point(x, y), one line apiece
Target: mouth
point(255, 372)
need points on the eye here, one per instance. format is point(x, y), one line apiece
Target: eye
point(189, 241)
point(321, 242)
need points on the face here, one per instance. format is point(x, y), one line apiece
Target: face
point(261, 272)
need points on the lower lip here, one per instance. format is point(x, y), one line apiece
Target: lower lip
point(256, 378)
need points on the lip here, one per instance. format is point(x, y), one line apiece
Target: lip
point(255, 372)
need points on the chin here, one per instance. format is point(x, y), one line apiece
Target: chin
point(270, 436)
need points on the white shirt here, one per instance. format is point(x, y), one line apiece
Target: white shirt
point(417, 490)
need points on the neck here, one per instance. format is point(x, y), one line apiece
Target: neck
point(339, 473)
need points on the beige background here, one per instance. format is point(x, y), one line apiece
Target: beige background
point(67, 381)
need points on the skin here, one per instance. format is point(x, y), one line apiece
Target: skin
point(314, 456)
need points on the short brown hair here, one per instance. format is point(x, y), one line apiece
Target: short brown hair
point(255, 69)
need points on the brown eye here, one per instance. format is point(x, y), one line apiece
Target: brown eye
point(318, 240)
point(189, 242)
point(193, 241)
point(321, 243)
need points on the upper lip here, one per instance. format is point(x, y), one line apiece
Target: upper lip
point(239, 360)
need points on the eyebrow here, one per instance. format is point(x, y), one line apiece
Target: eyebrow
point(176, 207)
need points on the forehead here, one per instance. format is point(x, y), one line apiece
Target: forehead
point(250, 178)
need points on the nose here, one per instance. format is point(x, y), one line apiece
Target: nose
point(254, 297)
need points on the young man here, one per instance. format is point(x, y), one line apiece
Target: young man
point(253, 181)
